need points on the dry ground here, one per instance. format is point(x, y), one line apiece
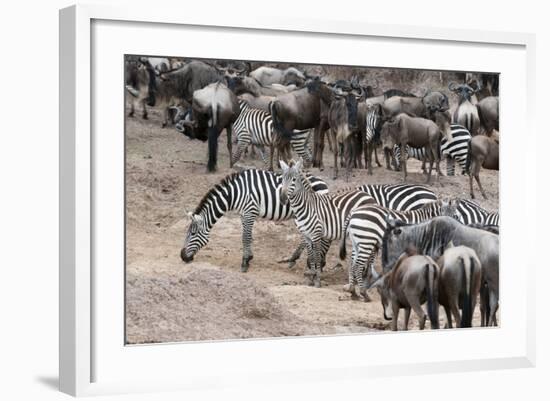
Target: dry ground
point(168, 300)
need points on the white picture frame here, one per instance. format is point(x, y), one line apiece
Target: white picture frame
point(91, 361)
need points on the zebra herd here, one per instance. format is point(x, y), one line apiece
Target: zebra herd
point(362, 214)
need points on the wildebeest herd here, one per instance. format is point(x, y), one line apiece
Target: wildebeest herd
point(439, 251)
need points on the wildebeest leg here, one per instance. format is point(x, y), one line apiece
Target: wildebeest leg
point(387, 157)
point(471, 179)
point(449, 317)
point(376, 155)
point(395, 315)
point(476, 176)
point(247, 219)
point(404, 155)
point(415, 304)
point(132, 108)
point(484, 304)
point(228, 131)
point(407, 316)
point(166, 117)
point(144, 108)
point(366, 155)
point(454, 309)
point(212, 149)
point(431, 165)
point(493, 306)
point(335, 159)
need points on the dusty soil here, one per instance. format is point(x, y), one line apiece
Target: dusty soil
point(168, 300)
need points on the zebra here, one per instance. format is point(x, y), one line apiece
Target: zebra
point(255, 126)
point(470, 213)
point(372, 135)
point(254, 194)
point(401, 197)
point(455, 150)
point(319, 217)
point(366, 226)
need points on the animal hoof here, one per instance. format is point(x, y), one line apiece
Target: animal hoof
point(347, 288)
point(244, 269)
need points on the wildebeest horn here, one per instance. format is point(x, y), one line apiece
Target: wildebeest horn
point(452, 85)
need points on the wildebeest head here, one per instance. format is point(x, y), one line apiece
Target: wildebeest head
point(464, 91)
point(381, 283)
point(291, 173)
point(435, 101)
point(352, 93)
point(293, 76)
point(232, 68)
point(196, 238)
point(148, 76)
point(187, 125)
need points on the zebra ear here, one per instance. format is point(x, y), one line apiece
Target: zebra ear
point(284, 166)
point(392, 223)
point(298, 165)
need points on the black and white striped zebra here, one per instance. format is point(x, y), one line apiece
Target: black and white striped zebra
point(319, 217)
point(401, 197)
point(470, 213)
point(253, 194)
point(456, 150)
point(372, 135)
point(366, 226)
point(255, 126)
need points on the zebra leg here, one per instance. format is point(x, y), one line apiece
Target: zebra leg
point(295, 255)
point(365, 271)
point(235, 157)
point(247, 219)
point(351, 279)
point(450, 166)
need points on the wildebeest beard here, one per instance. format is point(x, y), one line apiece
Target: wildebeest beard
point(429, 238)
point(351, 106)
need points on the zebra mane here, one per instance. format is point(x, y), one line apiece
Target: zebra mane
point(219, 186)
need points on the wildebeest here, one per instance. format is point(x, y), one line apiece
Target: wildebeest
point(459, 284)
point(431, 237)
point(270, 75)
point(343, 121)
point(482, 152)
point(466, 112)
point(488, 111)
point(301, 109)
point(214, 108)
point(413, 281)
point(419, 106)
point(169, 89)
point(417, 132)
point(241, 85)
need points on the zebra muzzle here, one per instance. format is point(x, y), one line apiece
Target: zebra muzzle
point(184, 257)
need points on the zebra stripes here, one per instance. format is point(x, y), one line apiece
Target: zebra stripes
point(470, 213)
point(253, 194)
point(366, 226)
point(319, 217)
point(400, 196)
point(255, 126)
point(456, 150)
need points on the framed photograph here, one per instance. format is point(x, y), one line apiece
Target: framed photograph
point(226, 208)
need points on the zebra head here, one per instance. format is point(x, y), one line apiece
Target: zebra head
point(290, 175)
point(197, 237)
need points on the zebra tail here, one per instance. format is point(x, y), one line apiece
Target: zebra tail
point(466, 319)
point(343, 240)
point(432, 307)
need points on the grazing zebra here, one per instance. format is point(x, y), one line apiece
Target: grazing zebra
point(319, 217)
point(253, 193)
point(255, 126)
point(456, 150)
point(366, 226)
point(470, 213)
point(372, 135)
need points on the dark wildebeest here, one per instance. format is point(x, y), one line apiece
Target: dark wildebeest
point(466, 112)
point(419, 106)
point(270, 75)
point(482, 152)
point(413, 281)
point(431, 237)
point(417, 132)
point(214, 108)
point(170, 89)
point(343, 121)
point(488, 112)
point(304, 108)
point(459, 284)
